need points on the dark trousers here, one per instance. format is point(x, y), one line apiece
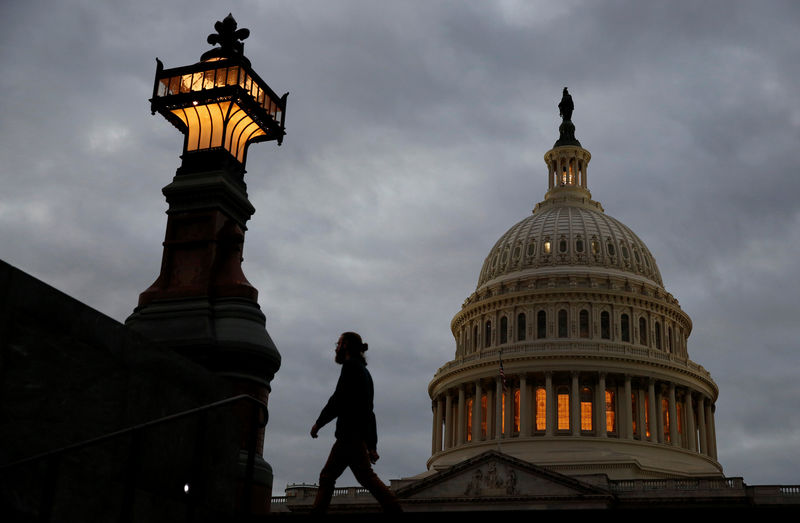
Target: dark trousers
point(352, 454)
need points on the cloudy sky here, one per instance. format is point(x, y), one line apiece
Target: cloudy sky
point(415, 136)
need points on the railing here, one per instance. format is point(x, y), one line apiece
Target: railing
point(572, 347)
point(682, 484)
point(193, 488)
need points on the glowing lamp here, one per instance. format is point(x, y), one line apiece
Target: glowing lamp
point(220, 104)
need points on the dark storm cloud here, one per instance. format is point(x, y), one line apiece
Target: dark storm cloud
point(416, 132)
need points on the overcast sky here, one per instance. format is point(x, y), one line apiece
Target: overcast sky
point(415, 137)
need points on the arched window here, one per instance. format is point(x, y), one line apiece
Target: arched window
point(521, 327)
point(584, 323)
point(541, 408)
point(503, 330)
point(488, 338)
point(625, 327)
point(470, 404)
point(541, 325)
point(642, 331)
point(586, 409)
point(658, 335)
point(483, 416)
point(562, 323)
point(605, 325)
point(611, 411)
point(562, 403)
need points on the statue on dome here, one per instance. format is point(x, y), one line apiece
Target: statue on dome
point(565, 106)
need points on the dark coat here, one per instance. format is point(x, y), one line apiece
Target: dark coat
point(352, 404)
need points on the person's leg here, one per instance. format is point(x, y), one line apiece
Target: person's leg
point(362, 470)
point(337, 462)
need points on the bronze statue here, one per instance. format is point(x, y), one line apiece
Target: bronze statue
point(565, 106)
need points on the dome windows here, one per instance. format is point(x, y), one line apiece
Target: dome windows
point(547, 247)
point(583, 321)
point(521, 326)
point(610, 248)
point(642, 331)
point(562, 323)
point(625, 328)
point(562, 245)
point(579, 245)
point(541, 325)
point(531, 247)
point(605, 325)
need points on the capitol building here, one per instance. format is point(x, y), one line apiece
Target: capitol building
point(597, 375)
point(571, 385)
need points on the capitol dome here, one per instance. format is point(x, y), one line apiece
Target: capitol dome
point(570, 354)
point(575, 235)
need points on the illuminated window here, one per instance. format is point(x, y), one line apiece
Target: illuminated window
point(541, 324)
point(611, 411)
point(665, 417)
point(503, 413)
point(488, 338)
point(595, 247)
point(642, 331)
point(516, 410)
point(635, 416)
point(562, 402)
point(625, 328)
point(658, 336)
point(584, 323)
point(541, 408)
point(605, 325)
point(483, 416)
point(503, 330)
point(547, 246)
point(470, 404)
point(647, 415)
point(562, 323)
point(521, 327)
point(586, 409)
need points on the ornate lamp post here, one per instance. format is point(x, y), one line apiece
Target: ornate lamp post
point(201, 305)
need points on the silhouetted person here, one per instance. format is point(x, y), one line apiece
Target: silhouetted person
point(356, 433)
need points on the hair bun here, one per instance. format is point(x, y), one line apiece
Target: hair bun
point(364, 347)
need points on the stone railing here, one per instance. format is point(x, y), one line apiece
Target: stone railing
point(574, 348)
point(698, 486)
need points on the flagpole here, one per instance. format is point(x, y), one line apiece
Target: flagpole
point(503, 383)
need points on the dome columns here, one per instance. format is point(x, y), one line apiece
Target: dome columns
point(567, 405)
point(566, 167)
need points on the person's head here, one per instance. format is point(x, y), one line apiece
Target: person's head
point(350, 346)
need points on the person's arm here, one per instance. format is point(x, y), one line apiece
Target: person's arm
point(333, 408)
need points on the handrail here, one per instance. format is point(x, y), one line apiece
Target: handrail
point(54, 457)
point(141, 426)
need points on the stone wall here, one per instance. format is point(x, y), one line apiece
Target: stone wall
point(69, 374)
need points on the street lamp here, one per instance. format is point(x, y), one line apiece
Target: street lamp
point(220, 104)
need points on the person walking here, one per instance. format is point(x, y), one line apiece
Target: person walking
point(356, 433)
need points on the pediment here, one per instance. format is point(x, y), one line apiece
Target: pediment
point(496, 475)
